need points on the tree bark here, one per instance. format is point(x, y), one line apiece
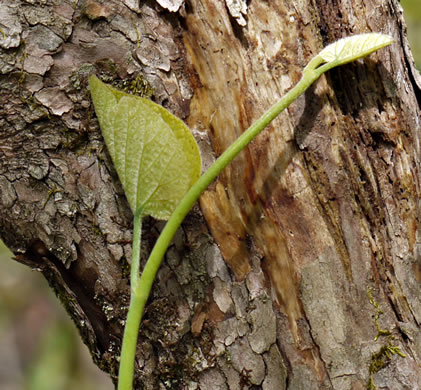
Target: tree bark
point(302, 268)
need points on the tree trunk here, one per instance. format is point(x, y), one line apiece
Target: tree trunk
point(307, 271)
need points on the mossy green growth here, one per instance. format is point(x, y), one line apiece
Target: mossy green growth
point(77, 78)
point(34, 105)
point(383, 356)
point(379, 312)
point(51, 192)
point(22, 51)
point(381, 359)
point(139, 87)
point(3, 33)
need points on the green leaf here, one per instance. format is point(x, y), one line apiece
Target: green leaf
point(352, 48)
point(154, 153)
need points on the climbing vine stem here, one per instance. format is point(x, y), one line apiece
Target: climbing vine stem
point(340, 52)
point(134, 315)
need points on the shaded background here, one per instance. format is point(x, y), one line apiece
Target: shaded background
point(412, 10)
point(40, 348)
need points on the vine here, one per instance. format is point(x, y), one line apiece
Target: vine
point(159, 164)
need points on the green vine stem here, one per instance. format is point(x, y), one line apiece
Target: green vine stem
point(140, 288)
point(341, 52)
point(134, 317)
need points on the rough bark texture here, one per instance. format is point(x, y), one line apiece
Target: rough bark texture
point(310, 278)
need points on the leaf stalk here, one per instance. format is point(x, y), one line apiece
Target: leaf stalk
point(135, 313)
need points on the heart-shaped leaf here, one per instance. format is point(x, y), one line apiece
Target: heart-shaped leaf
point(154, 153)
point(352, 48)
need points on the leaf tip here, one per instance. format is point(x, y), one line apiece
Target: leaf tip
point(354, 47)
